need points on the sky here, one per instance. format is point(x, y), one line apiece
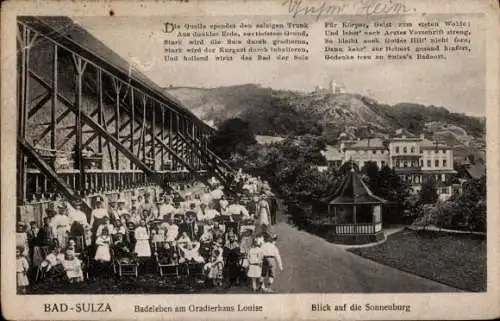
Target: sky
point(457, 83)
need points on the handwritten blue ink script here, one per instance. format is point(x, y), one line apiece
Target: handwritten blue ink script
point(329, 8)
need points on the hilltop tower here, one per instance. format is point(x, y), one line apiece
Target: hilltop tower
point(335, 88)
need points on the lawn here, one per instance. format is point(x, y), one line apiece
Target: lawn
point(455, 260)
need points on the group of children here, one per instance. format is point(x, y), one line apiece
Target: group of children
point(229, 238)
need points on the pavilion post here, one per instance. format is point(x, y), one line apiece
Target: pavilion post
point(374, 207)
point(354, 218)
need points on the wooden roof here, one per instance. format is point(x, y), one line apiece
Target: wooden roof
point(354, 191)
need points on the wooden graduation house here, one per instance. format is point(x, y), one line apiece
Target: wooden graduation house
point(89, 123)
point(356, 212)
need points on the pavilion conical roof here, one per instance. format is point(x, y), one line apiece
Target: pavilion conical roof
point(354, 191)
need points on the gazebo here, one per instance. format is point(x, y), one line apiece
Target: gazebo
point(356, 212)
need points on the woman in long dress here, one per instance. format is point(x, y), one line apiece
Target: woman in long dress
point(61, 225)
point(142, 247)
point(97, 218)
point(263, 216)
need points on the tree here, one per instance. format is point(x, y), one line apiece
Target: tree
point(372, 173)
point(233, 136)
point(428, 193)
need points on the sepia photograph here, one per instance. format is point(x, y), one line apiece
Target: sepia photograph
point(130, 186)
point(212, 162)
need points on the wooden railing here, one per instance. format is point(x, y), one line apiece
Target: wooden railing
point(359, 228)
point(100, 181)
point(95, 181)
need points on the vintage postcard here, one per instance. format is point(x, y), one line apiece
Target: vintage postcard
point(289, 159)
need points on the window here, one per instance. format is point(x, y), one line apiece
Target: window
point(444, 163)
point(397, 149)
point(413, 149)
point(374, 152)
point(405, 150)
point(444, 190)
point(398, 163)
point(428, 163)
point(436, 151)
point(436, 163)
point(405, 163)
point(382, 163)
point(444, 151)
point(382, 151)
point(421, 163)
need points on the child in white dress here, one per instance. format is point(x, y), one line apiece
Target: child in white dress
point(255, 257)
point(103, 242)
point(73, 267)
point(22, 267)
point(141, 234)
point(214, 269)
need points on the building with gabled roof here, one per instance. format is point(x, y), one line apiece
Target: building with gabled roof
point(414, 158)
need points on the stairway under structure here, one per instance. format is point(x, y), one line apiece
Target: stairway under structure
point(88, 122)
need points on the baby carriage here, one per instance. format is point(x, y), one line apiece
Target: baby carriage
point(214, 272)
point(124, 263)
point(246, 225)
point(167, 260)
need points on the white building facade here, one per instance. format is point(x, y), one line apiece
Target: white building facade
point(415, 159)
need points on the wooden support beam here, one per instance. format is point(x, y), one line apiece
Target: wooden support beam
point(117, 86)
point(60, 117)
point(153, 134)
point(100, 107)
point(170, 133)
point(53, 105)
point(39, 105)
point(102, 131)
point(162, 135)
point(132, 120)
point(49, 172)
point(71, 133)
point(143, 132)
point(80, 69)
point(23, 75)
point(95, 135)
